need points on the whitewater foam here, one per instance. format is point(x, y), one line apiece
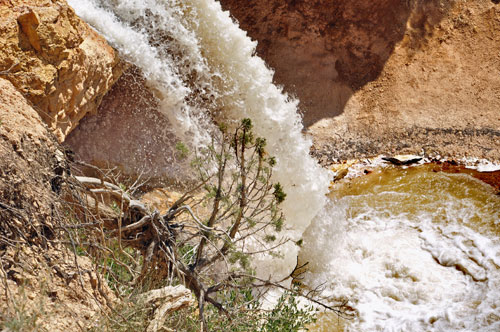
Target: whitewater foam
point(200, 63)
point(405, 255)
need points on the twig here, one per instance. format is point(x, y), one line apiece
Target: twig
point(267, 282)
point(7, 71)
point(8, 297)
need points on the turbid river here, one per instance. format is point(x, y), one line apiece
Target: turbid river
point(411, 250)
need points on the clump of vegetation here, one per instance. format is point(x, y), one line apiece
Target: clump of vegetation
point(19, 317)
point(286, 316)
point(205, 241)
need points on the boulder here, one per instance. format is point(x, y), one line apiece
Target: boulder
point(55, 60)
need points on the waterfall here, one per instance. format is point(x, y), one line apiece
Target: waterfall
point(411, 251)
point(200, 64)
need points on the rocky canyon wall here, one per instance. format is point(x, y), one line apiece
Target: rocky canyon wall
point(64, 70)
point(54, 70)
point(323, 50)
point(55, 60)
point(386, 76)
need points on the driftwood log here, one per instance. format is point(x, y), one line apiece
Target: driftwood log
point(167, 300)
point(136, 225)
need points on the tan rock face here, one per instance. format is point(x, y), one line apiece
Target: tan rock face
point(55, 60)
point(386, 76)
point(27, 158)
point(323, 50)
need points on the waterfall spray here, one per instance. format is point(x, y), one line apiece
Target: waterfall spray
point(199, 62)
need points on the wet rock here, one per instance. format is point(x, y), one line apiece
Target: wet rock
point(399, 162)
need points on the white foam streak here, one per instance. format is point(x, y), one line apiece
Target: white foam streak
point(274, 115)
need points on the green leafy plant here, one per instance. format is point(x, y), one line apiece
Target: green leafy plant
point(182, 150)
point(288, 316)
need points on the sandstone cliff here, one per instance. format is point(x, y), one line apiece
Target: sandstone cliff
point(54, 69)
point(386, 76)
point(55, 60)
point(27, 156)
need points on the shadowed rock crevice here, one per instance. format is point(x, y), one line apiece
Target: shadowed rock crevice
point(130, 133)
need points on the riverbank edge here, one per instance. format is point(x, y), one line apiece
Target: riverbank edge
point(481, 169)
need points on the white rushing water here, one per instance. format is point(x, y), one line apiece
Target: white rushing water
point(197, 61)
point(411, 252)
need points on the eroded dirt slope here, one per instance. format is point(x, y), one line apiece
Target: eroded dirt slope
point(41, 288)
